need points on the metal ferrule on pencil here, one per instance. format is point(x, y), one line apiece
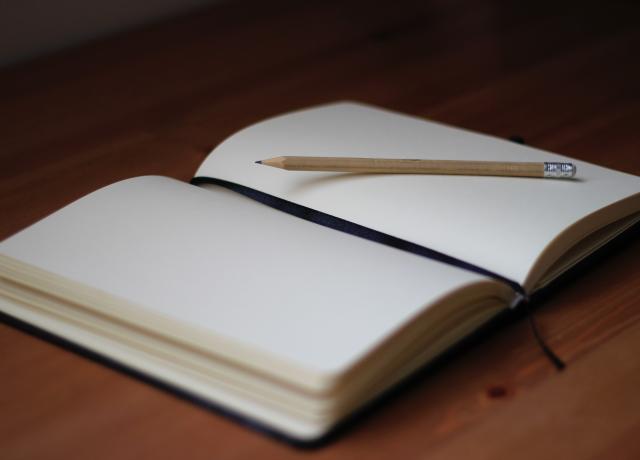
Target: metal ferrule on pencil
point(557, 169)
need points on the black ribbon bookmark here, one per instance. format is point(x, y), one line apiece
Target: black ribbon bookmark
point(337, 223)
point(546, 349)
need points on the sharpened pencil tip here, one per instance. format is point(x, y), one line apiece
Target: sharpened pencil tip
point(259, 162)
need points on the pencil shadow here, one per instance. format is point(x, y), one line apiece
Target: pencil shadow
point(329, 179)
point(342, 177)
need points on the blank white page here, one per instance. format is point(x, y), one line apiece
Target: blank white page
point(218, 261)
point(499, 223)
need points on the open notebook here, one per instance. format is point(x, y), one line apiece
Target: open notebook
point(283, 320)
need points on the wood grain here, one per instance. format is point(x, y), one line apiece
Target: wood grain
point(564, 75)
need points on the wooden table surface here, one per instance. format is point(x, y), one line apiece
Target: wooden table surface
point(564, 75)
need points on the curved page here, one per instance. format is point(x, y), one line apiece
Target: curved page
point(499, 223)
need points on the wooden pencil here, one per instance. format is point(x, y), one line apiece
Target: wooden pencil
point(418, 166)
